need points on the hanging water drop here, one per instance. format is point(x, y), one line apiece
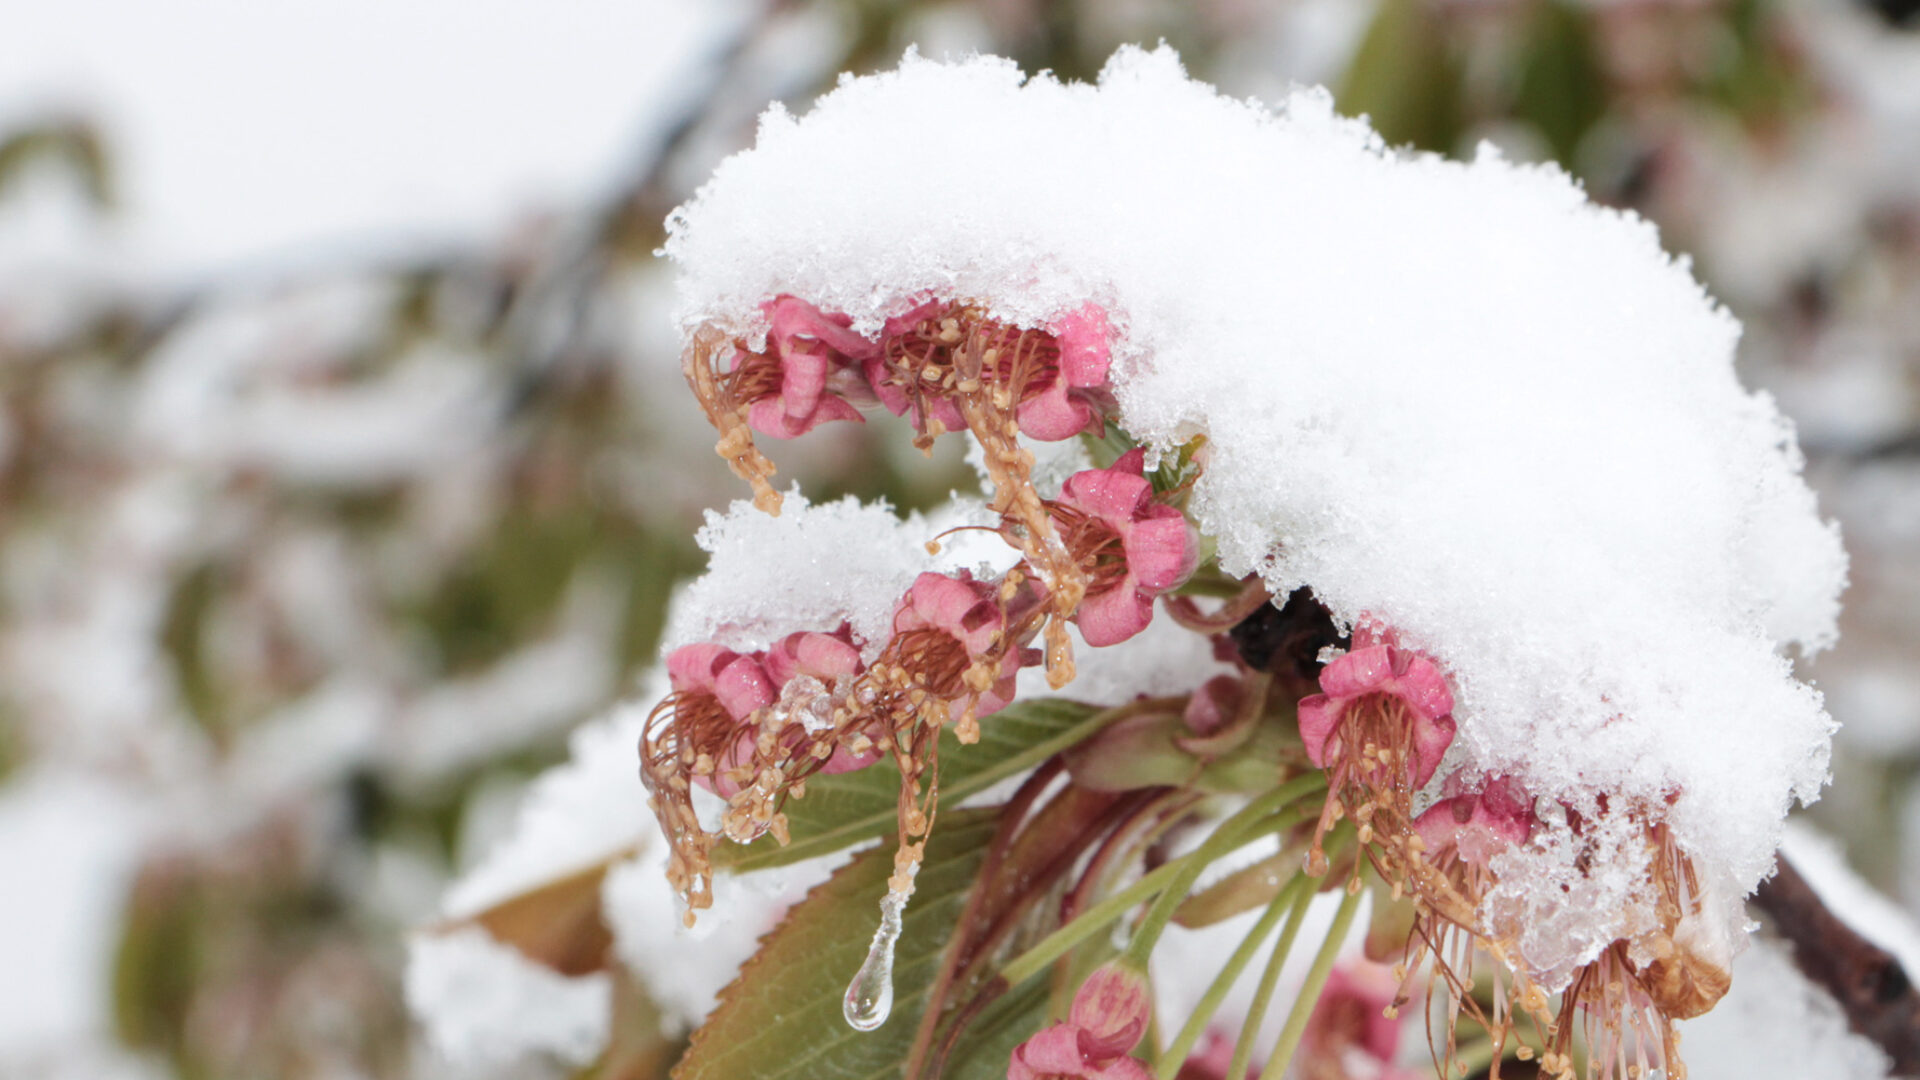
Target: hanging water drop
point(870, 995)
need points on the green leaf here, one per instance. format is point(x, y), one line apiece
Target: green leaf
point(1405, 79)
point(847, 808)
point(780, 1019)
point(1562, 89)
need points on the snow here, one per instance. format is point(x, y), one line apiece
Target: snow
point(589, 810)
point(684, 969)
point(816, 566)
point(72, 844)
point(482, 1002)
point(1454, 397)
point(1163, 660)
point(1776, 1023)
point(1848, 896)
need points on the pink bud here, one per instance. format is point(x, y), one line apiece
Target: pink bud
point(1108, 1016)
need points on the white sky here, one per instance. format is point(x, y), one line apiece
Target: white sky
point(242, 127)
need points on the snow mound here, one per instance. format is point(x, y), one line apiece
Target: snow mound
point(815, 566)
point(1454, 397)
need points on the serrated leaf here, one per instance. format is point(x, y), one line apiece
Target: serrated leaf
point(557, 924)
point(780, 1019)
point(842, 810)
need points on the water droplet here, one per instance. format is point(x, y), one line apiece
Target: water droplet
point(870, 995)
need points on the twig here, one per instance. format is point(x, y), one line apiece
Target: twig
point(1867, 980)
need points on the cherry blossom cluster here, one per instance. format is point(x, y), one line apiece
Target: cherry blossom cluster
point(1381, 726)
point(751, 727)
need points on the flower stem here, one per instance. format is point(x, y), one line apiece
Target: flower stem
point(1316, 981)
point(1176, 1053)
point(1263, 993)
point(1229, 836)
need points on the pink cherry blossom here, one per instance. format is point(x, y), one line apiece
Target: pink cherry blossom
point(811, 368)
point(718, 692)
point(943, 625)
point(1349, 1021)
point(1068, 399)
point(1108, 1016)
point(1058, 374)
point(1477, 825)
point(892, 396)
point(1135, 548)
point(1378, 691)
point(826, 659)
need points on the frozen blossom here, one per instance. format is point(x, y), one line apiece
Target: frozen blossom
point(817, 566)
point(1454, 398)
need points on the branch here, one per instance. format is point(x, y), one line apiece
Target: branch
point(1867, 980)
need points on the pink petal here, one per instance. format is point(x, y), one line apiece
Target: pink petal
point(771, 417)
point(823, 656)
point(1360, 671)
point(1430, 741)
point(844, 760)
point(1114, 616)
point(803, 378)
point(1350, 1012)
point(742, 686)
point(1111, 1010)
point(1112, 495)
point(1052, 414)
point(738, 755)
point(1478, 825)
point(690, 667)
point(1319, 716)
point(1162, 549)
point(794, 321)
point(891, 397)
point(1422, 686)
point(945, 411)
point(1001, 693)
point(961, 606)
point(1054, 1051)
point(1084, 353)
point(907, 322)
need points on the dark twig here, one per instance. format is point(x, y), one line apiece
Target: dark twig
point(1867, 980)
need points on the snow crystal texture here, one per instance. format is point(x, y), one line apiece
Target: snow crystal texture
point(1455, 397)
point(816, 566)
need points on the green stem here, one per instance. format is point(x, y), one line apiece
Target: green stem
point(1310, 992)
point(1092, 921)
point(1231, 834)
point(1183, 1043)
point(1269, 978)
point(1475, 1056)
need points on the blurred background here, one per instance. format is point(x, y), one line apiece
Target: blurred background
point(345, 464)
